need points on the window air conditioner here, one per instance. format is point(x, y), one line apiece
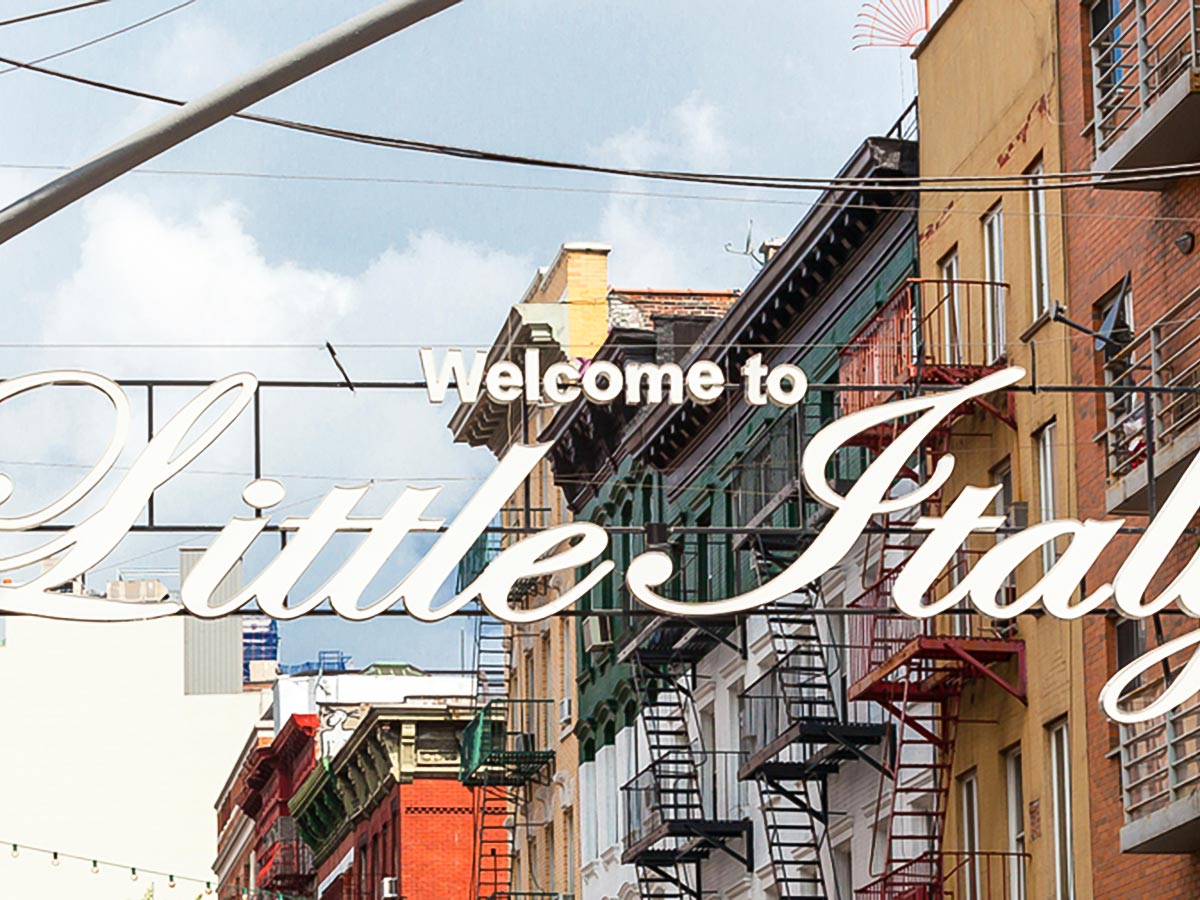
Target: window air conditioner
point(389, 889)
point(597, 633)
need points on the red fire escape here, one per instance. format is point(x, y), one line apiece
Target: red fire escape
point(929, 333)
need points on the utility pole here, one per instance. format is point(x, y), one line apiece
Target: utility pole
point(232, 97)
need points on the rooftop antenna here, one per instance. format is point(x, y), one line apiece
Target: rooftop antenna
point(893, 23)
point(748, 250)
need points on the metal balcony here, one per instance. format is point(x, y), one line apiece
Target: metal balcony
point(1145, 70)
point(285, 861)
point(892, 655)
point(507, 743)
point(683, 806)
point(951, 875)
point(1158, 428)
point(1160, 777)
point(791, 707)
point(929, 332)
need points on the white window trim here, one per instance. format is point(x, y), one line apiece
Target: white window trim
point(1047, 460)
point(993, 259)
point(968, 788)
point(952, 331)
point(1018, 840)
point(1039, 244)
point(1064, 850)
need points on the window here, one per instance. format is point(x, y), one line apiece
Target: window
point(843, 868)
point(1003, 506)
point(1016, 824)
point(1108, 75)
point(950, 309)
point(569, 829)
point(968, 788)
point(1060, 774)
point(1046, 487)
point(1039, 248)
point(993, 259)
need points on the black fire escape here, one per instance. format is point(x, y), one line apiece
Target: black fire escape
point(796, 733)
point(686, 802)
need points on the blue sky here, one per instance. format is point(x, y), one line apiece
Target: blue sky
point(768, 87)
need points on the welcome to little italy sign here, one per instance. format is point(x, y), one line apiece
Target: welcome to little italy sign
point(73, 552)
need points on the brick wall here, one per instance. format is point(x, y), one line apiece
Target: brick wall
point(1111, 234)
point(421, 832)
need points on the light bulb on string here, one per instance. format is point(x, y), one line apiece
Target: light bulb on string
point(95, 867)
point(208, 887)
point(171, 881)
point(54, 858)
point(133, 875)
point(16, 851)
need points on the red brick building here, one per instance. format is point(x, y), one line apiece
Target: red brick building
point(387, 817)
point(1131, 99)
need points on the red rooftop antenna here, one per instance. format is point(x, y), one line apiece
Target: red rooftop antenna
point(892, 23)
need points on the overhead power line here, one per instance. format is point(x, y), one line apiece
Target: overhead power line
point(52, 12)
point(104, 37)
point(922, 184)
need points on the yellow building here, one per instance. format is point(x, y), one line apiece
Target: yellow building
point(531, 669)
point(992, 269)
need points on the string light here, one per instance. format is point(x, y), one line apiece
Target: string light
point(136, 872)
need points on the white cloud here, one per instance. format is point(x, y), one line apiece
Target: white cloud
point(658, 244)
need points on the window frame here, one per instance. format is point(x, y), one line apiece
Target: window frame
point(1047, 486)
point(995, 321)
point(950, 274)
point(968, 792)
point(1060, 792)
point(1039, 242)
point(1018, 837)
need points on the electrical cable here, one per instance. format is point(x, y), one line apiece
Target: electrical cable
point(52, 12)
point(919, 184)
point(135, 872)
point(104, 37)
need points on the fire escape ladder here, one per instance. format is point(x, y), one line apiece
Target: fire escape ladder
point(495, 806)
point(921, 775)
point(666, 881)
point(495, 809)
point(796, 829)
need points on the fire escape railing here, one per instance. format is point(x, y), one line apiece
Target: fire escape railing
point(1165, 355)
point(1136, 56)
point(285, 860)
point(971, 875)
point(929, 330)
point(687, 787)
point(507, 743)
point(1160, 759)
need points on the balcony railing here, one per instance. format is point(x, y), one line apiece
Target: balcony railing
point(1164, 362)
point(285, 861)
point(780, 698)
point(693, 786)
point(1160, 759)
point(952, 875)
point(929, 330)
point(507, 743)
point(1144, 50)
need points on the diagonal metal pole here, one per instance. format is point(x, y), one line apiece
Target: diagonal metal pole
point(232, 97)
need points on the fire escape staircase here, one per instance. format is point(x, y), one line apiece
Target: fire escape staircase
point(917, 671)
point(672, 818)
point(505, 750)
point(798, 735)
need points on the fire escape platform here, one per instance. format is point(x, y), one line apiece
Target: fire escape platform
point(705, 836)
point(672, 639)
point(832, 743)
point(969, 656)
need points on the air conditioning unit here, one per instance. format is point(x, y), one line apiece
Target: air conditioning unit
point(597, 633)
point(389, 889)
point(564, 710)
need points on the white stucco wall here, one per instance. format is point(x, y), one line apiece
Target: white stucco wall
point(102, 755)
